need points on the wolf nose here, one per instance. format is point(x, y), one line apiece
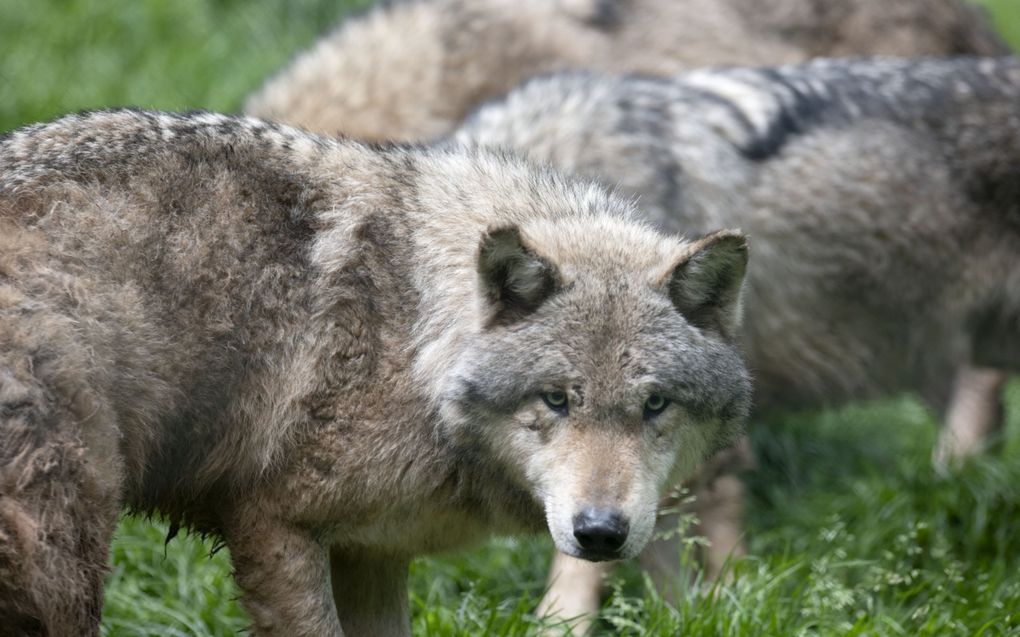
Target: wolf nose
point(601, 531)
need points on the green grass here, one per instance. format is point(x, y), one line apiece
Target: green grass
point(1006, 15)
point(850, 530)
point(58, 56)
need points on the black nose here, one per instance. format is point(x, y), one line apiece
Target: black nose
point(601, 532)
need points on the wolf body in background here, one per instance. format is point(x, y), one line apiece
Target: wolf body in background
point(411, 70)
point(882, 196)
point(336, 358)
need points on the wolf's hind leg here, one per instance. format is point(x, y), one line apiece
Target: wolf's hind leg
point(973, 417)
point(58, 509)
point(718, 507)
point(720, 511)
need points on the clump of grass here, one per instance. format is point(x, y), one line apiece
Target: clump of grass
point(175, 589)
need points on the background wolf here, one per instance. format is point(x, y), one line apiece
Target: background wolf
point(883, 198)
point(411, 70)
point(336, 358)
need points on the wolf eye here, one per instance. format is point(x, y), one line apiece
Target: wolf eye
point(655, 405)
point(556, 400)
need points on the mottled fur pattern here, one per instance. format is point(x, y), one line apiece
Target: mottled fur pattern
point(334, 357)
point(882, 197)
point(411, 70)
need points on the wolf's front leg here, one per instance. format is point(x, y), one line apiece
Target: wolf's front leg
point(571, 602)
point(371, 594)
point(284, 574)
point(974, 416)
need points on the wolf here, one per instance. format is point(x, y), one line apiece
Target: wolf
point(883, 197)
point(411, 70)
point(334, 357)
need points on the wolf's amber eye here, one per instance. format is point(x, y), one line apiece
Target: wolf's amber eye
point(655, 405)
point(556, 400)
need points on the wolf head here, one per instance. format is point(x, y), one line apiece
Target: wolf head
point(605, 369)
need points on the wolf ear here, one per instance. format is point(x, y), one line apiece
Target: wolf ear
point(514, 280)
point(705, 286)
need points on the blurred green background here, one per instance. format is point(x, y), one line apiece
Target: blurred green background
point(58, 56)
point(851, 531)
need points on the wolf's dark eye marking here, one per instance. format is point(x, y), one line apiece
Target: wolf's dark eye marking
point(557, 401)
point(654, 406)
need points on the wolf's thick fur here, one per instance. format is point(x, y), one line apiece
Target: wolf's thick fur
point(883, 197)
point(333, 356)
point(412, 70)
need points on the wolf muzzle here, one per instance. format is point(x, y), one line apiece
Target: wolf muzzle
point(601, 533)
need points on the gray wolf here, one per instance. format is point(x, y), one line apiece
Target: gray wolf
point(883, 197)
point(411, 70)
point(334, 357)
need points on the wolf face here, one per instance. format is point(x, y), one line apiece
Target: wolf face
point(591, 386)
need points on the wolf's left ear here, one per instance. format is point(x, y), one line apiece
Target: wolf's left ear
point(514, 280)
point(705, 286)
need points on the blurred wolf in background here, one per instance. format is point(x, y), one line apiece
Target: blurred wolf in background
point(335, 358)
point(883, 197)
point(411, 70)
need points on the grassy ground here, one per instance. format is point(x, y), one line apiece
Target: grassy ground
point(850, 530)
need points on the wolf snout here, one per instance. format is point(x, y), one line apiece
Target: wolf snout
point(601, 533)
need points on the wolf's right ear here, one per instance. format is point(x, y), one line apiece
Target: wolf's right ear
point(514, 280)
point(705, 286)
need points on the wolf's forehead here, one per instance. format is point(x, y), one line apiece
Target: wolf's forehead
point(619, 300)
point(619, 328)
point(608, 247)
